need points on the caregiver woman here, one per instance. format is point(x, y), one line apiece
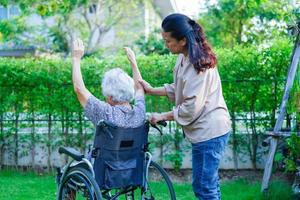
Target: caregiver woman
point(200, 106)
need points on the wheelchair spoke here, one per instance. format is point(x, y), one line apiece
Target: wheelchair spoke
point(159, 184)
point(79, 185)
point(77, 189)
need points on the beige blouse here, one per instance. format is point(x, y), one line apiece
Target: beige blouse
point(200, 106)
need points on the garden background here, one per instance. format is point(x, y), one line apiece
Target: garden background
point(39, 110)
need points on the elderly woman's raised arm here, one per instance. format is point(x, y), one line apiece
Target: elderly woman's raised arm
point(79, 87)
point(137, 77)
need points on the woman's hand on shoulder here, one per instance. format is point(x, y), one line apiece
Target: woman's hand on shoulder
point(139, 90)
point(77, 48)
point(147, 87)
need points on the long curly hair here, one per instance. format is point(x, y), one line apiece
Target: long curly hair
point(200, 53)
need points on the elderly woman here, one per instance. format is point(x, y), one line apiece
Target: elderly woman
point(118, 88)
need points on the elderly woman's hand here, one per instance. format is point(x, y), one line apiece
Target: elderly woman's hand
point(130, 55)
point(77, 48)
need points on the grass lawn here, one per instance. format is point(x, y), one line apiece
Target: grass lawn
point(29, 186)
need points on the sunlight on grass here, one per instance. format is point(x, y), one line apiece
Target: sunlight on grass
point(29, 186)
point(23, 186)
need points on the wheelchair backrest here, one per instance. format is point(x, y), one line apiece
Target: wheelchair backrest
point(120, 157)
point(111, 137)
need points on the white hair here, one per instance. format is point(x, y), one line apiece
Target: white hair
point(117, 84)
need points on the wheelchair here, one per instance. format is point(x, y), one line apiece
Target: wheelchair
point(120, 168)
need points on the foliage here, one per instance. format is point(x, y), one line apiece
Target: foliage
point(291, 155)
point(293, 143)
point(292, 161)
point(231, 22)
point(10, 29)
point(294, 102)
point(253, 81)
point(176, 156)
point(90, 20)
point(60, 42)
point(257, 78)
point(152, 44)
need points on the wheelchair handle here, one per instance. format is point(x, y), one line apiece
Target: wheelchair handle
point(103, 123)
point(104, 126)
point(162, 123)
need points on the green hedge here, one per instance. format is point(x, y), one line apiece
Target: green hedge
point(246, 73)
point(253, 79)
point(48, 82)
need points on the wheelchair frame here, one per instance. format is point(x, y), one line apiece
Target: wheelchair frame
point(85, 173)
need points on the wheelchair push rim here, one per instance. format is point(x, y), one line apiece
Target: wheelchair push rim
point(78, 184)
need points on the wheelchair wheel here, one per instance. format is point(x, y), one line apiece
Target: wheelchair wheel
point(159, 184)
point(79, 184)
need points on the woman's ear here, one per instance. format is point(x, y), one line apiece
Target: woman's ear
point(182, 42)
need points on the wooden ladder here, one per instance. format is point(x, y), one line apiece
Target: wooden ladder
point(274, 136)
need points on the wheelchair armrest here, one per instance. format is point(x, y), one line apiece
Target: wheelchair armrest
point(73, 153)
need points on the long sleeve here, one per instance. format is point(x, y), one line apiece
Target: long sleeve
point(170, 90)
point(194, 94)
point(200, 106)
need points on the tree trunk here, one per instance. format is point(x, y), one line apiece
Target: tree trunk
point(2, 142)
point(62, 120)
point(161, 152)
point(80, 134)
point(298, 122)
point(240, 30)
point(16, 138)
point(49, 142)
point(177, 141)
point(249, 137)
point(298, 112)
point(32, 137)
point(288, 121)
point(274, 108)
point(254, 140)
point(234, 141)
point(66, 134)
point(85, 132)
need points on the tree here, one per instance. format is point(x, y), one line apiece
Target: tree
point(152, 44)
point(231, 22)
point(90, 20)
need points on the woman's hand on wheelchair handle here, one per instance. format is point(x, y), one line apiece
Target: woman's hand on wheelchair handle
point(156, 117)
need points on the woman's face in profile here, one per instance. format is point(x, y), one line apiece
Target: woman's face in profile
point(173, 44)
